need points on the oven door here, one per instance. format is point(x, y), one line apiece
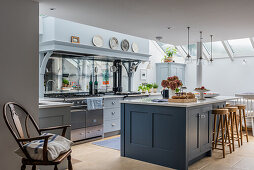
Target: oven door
point(94, 117)
point(78, 118)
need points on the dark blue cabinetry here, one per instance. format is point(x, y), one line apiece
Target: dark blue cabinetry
point(169, 136)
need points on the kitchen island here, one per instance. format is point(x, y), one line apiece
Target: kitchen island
point(174, 135)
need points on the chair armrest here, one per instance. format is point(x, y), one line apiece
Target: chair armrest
point(45, 144)
point(57, 127)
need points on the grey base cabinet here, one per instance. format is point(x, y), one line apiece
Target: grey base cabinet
point(56, 116)
point(174, 137)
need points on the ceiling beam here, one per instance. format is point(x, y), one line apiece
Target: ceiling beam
point(228, 50)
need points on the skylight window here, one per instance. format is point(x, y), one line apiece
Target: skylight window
point(193, 49)
point(218, 49)
point(241, 47)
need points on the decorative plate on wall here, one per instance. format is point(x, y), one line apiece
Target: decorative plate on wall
point(135, 47)
point(125, 45)
point(98, 41)
point(113, 43)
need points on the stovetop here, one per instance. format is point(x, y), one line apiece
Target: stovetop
point(71, 95)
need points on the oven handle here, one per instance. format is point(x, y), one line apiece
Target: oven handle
point(78, 110)
point(78, 106)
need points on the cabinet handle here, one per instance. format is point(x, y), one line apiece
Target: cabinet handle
point(113, 124)
point(113, 102)
point(202, 116)
point(113, 113)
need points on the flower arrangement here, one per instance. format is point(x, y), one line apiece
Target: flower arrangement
point(172, 83)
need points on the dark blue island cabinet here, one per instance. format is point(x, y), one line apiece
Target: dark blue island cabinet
point(171, 136)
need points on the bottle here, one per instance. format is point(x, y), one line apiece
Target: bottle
point(95, 85)
point(91, 85)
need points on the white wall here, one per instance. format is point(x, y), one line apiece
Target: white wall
point(18, 67)
point(224, 76)
point(156, 57)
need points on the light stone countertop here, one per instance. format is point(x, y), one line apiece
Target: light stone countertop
point(148, 101)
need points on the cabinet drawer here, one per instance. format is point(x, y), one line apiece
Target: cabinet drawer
point(78, 134)
point(111, 125)
point(110, 114)
point(110, 103)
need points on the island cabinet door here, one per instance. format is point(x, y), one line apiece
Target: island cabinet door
point(200, 131)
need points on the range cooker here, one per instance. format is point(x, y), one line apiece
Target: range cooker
point(85, 123)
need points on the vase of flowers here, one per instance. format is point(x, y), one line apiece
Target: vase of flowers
point(173, 83)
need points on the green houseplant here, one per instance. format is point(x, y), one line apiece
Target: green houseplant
point(149, 87)
point(170, 51)
point(65, 82)
point(142, 88)
point(155, 87)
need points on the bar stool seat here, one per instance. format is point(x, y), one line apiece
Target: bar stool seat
point(223, 122)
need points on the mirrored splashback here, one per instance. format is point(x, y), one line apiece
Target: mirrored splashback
point(73, 74)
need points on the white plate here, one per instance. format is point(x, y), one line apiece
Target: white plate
point(125, 45)
point(135, 47)
point(113, 43)
point(98, 41)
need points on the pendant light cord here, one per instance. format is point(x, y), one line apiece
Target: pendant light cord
point(188, 41)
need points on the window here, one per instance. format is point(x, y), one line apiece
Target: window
point(218, 49)
point(193, 49)
point(241, 47)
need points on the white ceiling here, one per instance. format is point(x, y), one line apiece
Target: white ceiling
point(225, 19)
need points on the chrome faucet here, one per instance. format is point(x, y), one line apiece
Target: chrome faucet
point(47, 87)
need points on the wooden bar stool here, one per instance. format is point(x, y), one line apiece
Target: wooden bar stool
point(223, 122)
point(241, 109)
point(233, 122)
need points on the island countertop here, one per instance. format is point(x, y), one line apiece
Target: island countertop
point(148, 101)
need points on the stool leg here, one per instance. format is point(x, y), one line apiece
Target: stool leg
point(222, 135)
point(232, 130)
point(245, 125)
point(241, 126)
point(227, 134)
point(218, 131)
point(237, 129)
point(214, 130)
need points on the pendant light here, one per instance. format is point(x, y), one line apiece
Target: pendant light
point(211, 59)
point(188, 57)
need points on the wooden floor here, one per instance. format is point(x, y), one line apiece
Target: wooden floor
point(91, 157)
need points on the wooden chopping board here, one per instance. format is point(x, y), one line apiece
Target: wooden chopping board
point(182, 100)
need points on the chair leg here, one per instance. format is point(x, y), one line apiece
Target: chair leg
point(23, 167)
point(55, 167)
point(241, 126)
point(222, 135)
point(227, 134)
point(245, 126)
point(237, 130)
point(34, 167)
point(232, 130)
point(69, 162)
point(214, 130)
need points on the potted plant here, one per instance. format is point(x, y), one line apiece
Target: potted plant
point(149, 87)
point(173, 83)
point(170, 51)
point(65, 83)
point(142, 88)
point(155, 87)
